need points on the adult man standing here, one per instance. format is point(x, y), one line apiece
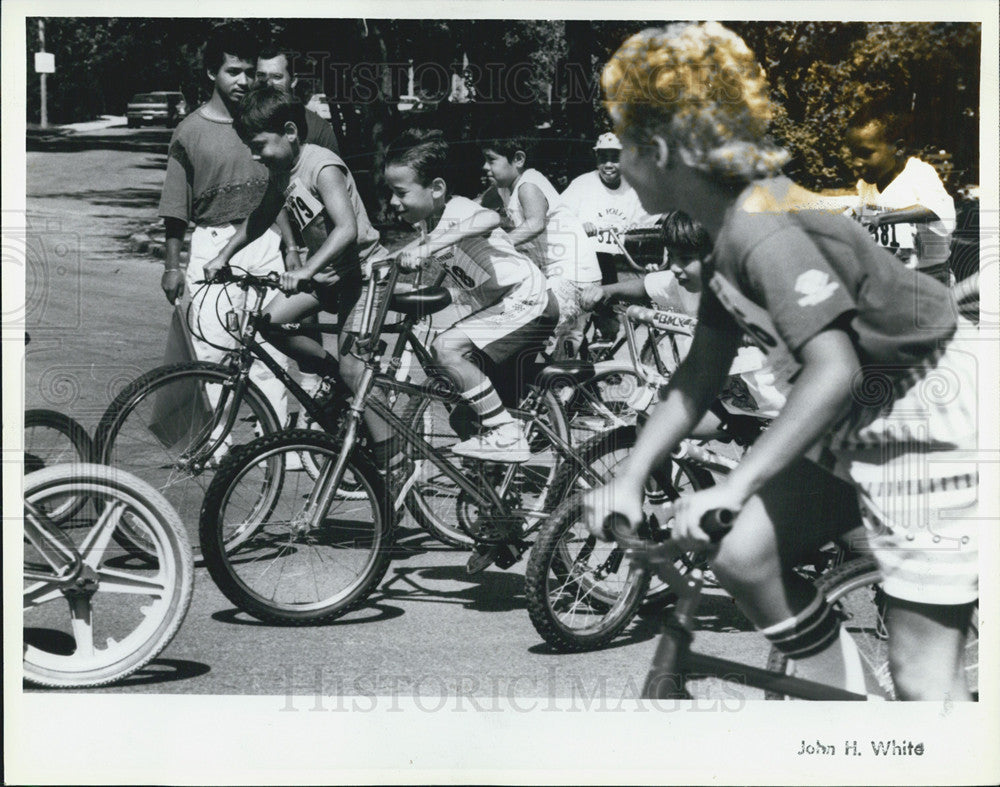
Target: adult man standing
point(213, 181)
point(606, 204)
point(273, 67)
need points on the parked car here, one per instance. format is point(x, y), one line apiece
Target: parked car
point(155, 108)
point(317, 103)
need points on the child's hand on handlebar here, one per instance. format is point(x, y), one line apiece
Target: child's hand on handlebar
point(689, 509)
point(213, 267)
point(617, 497)
point(294, 281)
point(591, 297)
point(412, 259)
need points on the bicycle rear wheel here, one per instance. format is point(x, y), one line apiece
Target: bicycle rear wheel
point(120, 612)
point(439, 505)
point(855, 591)
point(162, 419)
point(269, 556)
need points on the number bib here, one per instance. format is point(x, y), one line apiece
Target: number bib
point(757, 324)
point(302, 205)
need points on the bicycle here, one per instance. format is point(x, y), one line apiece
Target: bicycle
point(72, 558)
point(52, 438)
point(276, 541)
point(674, 663)
point(172, 425)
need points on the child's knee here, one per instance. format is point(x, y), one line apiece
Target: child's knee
point(747, 557)
point(448, 348)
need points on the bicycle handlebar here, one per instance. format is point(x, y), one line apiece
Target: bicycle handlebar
point(716, 524)
point(662, 319)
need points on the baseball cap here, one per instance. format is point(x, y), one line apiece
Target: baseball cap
point(608, 141)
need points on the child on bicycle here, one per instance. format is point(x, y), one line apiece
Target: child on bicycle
point(548, 232)
point(501, 293)
point(315, 187)
point(686, 247)
point(901, 199)
point(859, 341)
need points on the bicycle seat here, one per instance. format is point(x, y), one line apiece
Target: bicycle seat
point(563, 373)
point(420, 302)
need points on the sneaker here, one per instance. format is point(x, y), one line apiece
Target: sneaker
point(505, 444)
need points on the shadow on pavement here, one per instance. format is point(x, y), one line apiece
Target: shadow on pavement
point(53, 140)
point(370, 613)
point(489, 591)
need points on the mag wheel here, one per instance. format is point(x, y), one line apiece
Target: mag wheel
point(581, 592)
point(116, 612)
point(855, 591)
point(275, 550)
point(162, 419)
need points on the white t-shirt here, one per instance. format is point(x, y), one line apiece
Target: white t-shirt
point(925, 244)
point(486, 268)
point(750, 362)
point(562, 248)
point(605, 208)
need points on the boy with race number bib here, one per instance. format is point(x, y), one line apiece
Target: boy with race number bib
point(878, 393)
point(678, 290)
point(318, 192)
point(506, 310)
point(548, 232)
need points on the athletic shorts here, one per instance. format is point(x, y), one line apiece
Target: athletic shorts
point(915, 471)
point(512, 326)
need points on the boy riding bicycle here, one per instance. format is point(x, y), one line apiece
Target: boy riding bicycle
point(507, 311)
point(318, 192)
point(859, 341)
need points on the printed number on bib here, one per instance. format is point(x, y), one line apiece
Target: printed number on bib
point(462, 277)
point(302, 205)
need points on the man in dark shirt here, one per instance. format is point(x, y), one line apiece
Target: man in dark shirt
point(213, 181)
point(273, 67)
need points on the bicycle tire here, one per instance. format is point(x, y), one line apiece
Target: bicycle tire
point(560, 603)
point(604, 453)
point(66, 441)
point(268, 572)
point(162, 587)
point(125, 436)
point(854, 588)
point(440, 507)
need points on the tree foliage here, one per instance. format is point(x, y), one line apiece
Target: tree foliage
point(536, 75)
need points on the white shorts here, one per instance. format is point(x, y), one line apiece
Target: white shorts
point(918, 483)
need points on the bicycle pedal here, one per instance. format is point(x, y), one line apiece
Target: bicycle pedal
point(481, 559)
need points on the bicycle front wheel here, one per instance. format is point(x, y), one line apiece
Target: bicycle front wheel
point(98, 621)
point(52, 438)
point(581, 592)
point(164, 419)
point(855, 591)
point(275, 557)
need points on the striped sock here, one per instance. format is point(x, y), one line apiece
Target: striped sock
point(485, 401)
point(807, 633)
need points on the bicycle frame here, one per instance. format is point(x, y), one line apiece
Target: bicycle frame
point(486, 496)
point(674, 662)
point(250, 349)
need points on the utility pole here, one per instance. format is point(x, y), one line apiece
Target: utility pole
point(43, 75)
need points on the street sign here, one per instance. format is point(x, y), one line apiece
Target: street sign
point(45, 63)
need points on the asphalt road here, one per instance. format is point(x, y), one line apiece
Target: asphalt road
point(98, 319)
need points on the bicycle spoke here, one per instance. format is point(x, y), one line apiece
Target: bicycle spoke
point(41, 593)
point(115, 581)
point(82, 625)
point(93, 546)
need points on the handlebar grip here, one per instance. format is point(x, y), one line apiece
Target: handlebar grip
point(615, 526)
point(717, 523)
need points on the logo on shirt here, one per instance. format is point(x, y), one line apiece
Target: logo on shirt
point(815, 287)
